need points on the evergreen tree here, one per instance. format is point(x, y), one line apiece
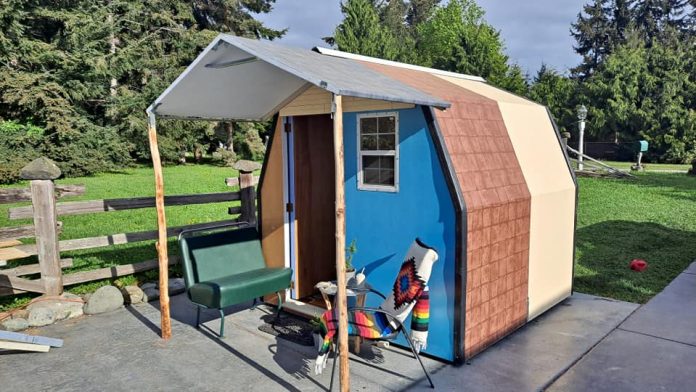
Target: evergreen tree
point(621, 21)
point(592, 32)
point(361, 32)
point(642, 92)
point(420, 11)
point(557, 92)
point(654, 16)
point(393, 18)
point(85, 71)
point(457, 38)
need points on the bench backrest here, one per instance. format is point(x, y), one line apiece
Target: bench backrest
point(215, 255)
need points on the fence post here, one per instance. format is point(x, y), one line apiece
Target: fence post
point(247, 190)
point(41, 172)
point(564, 140)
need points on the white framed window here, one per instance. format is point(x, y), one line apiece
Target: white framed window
point(378, 151)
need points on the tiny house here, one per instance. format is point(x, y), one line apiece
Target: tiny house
point(477, 173)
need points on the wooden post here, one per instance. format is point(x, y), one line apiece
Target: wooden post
point(564, 140)
point(166, 325)
point(341, 302)
point(247, 190)
point(42, 172)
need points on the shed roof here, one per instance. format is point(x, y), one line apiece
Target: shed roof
point(239, 78)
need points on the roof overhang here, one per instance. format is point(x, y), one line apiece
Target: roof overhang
point(241, 79)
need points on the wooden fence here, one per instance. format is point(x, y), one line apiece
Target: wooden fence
point(44, 210)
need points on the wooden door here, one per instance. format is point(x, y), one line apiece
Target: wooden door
point(314, 202)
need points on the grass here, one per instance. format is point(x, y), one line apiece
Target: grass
point(650, 166)
point(134, 182)
point(652, 217)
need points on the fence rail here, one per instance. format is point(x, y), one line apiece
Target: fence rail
point(46, 229)
point(109, 205)
point(15, 195)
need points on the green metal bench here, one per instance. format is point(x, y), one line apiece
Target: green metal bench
point(226, 268)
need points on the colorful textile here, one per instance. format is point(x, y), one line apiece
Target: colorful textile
point(408, 285)
point(366, 325)
point(420, 319)
point(410, 293)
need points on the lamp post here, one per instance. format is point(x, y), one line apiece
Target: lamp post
point(582, 115)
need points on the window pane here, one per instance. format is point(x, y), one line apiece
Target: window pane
point(387, 124)
point(368, 142)
point(387, 142)
point(368, 125)
point(371, 176)
point(386, 162)
point(370, 162)
point(386, 177)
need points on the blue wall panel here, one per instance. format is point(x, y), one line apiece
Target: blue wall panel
point(384, 224)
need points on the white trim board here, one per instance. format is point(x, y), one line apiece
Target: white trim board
point(352, 56)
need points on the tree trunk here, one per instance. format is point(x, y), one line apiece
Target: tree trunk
point(113, 83)
point(229, 130)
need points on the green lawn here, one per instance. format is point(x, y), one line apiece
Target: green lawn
point(129, 183)
point(652, 217)
point(650, 166)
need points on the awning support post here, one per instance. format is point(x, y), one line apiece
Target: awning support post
point(342, 305)
point(161, 245)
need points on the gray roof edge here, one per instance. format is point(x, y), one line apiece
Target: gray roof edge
point(435, 103)
point(239, 42)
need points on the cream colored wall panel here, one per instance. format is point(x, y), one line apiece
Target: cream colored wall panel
point(553, 203)
point(550, 250)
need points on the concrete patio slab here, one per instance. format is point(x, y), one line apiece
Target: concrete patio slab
point(532, 357)
point(653, 350)
point(691, 269)
point(671, 314)
point(628, 361)
point(121, 351)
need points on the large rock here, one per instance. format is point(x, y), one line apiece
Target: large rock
point(148, 285)
point(42, 315)
point(105, 299)
point(133, 294)
point(40, 169)
point(68, 306)
point(20, 313)
point(245, 166)
point(15, 324)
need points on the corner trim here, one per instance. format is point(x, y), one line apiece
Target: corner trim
point(575, 181)
point(460, 261)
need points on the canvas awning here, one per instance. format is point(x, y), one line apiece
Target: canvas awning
point(244, 79)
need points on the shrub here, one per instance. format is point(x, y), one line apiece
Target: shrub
point(19, 145)
point(77, 153)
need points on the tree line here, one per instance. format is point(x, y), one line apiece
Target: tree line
point(637, 75)
point(77, 75)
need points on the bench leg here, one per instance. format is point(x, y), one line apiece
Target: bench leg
point(280, 304)
point(198, 316)
point(222, 323)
